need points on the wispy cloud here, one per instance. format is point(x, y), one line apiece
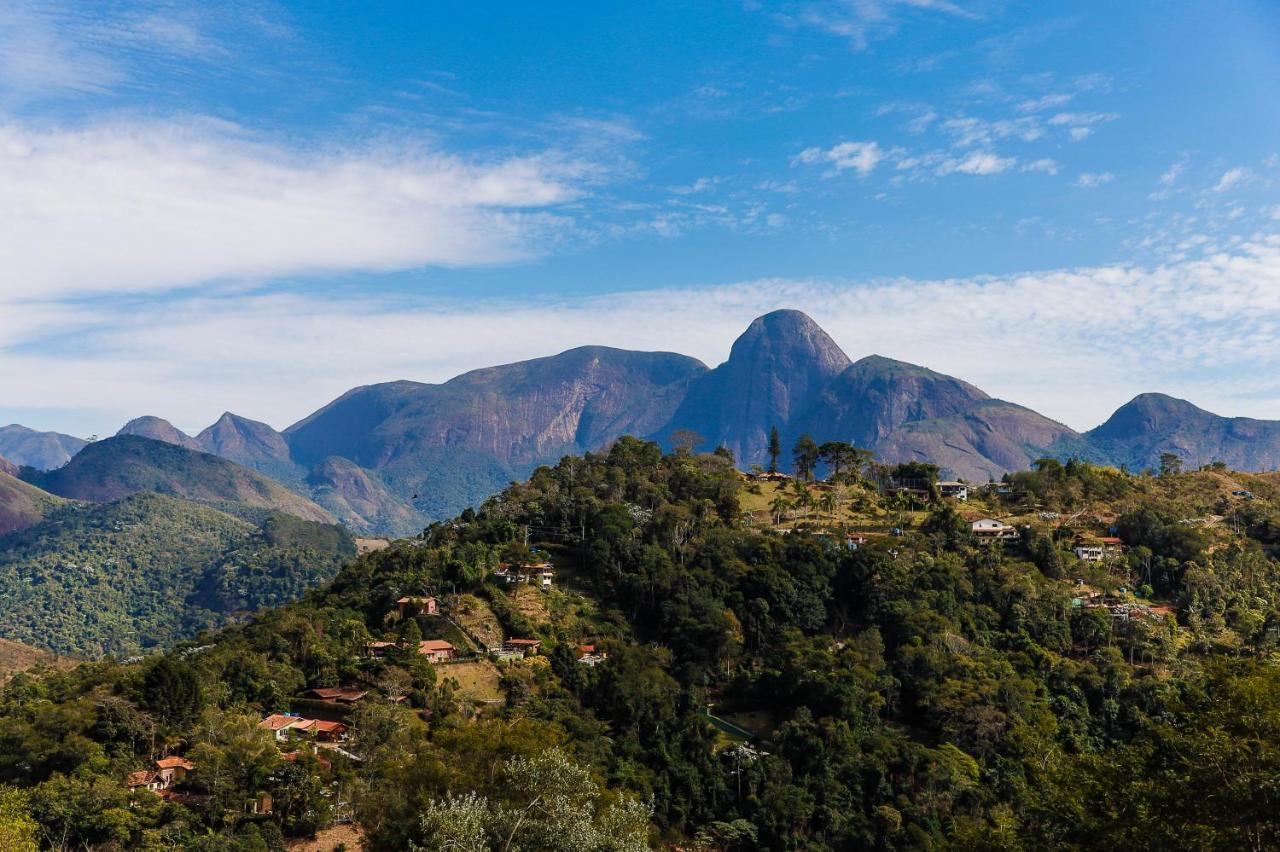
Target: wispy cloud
point(1181, 328)
point(860, 22)
point(1089, 180)
point(861, 157)
point(132, 207)
point(976, 163)
point(1232, 178)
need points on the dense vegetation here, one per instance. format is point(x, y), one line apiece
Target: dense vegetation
point(922, 690)
point(117, 578)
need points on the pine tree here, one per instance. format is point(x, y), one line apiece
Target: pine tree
point(775, 449)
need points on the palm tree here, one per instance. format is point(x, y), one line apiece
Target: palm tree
point(828, 501)
point(779, 505)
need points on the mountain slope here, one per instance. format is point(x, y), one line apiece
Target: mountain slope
point(1154, 423)
point(21, 503)
point(252, 444)
point(126, 464)
point(40, 450)
point(124, 576)
point(775, 370)
point(358, 499)
point(456, 443)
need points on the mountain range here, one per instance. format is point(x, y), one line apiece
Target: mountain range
point(387, 458)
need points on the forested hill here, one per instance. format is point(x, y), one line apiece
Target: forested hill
point(145, 571)
point(881, 673)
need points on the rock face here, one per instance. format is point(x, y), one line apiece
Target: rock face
point(358, 499)
point(775, 371)
point(1153, 423)
point(128, 464)
point(40, 450)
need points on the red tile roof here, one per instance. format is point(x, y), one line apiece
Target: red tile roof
point(141, 778)
point(428, 645)
point(174, 763)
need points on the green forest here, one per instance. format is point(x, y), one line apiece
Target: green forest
point(147, 570)
point(773, 665)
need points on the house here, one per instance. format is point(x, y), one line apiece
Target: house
point(379, 649)
point(521, 646)
point(330, 732)
point(436, 650)
point(853, 542)
point(281, 724)
point(589, 656)
point(425, 605)
point(989, 528)
point(164, 773)
point(954, 490)
point(769, 476)
point(1098, 548)
point(545, 575)
point(337, 694)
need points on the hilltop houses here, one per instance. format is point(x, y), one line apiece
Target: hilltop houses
point(1098, 548)
point(337, 695)
point(424, 604)
point(954, 490)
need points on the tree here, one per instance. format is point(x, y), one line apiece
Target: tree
point(1170, 464)
point(805, 456)
point(686, 440)
point(775, 449)
point(17, 828)
point(841, 455)
point(171, 691)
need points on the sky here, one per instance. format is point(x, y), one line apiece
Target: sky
point(257, 206)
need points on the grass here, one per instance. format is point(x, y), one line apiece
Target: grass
point(477, 679)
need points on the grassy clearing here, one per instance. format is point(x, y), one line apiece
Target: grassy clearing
point(477, 679)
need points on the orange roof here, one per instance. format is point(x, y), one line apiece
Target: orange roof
point(174, 763)
point(276, 721)
point(415, 599)
point(141, 778)
point(434, 645)
point(524, 642)
point(329, 727)
point(337, 693)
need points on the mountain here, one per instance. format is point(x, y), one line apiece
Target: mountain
point(147, 570)
point(252, 444)
point(40, 450)
point(1154, 423)
point(159, 429)
point(22, 504)
point(126, 464)
point(358, 499)
point(456, 443)
point(776, 369)
point(16, 657)
point(8, 467)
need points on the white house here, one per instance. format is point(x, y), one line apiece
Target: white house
point(992, 529)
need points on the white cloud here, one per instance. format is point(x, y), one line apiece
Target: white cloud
point(1232, 178)
point(132, 207)
point(861, 157)
point(1044, 102)
point(1045, 165)
point(1089, 180)
point(1178, 328)
point(861, 21)
point(1171, 175)
point(976, 163)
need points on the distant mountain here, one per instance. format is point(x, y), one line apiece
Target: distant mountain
point(22, 504)
point(456, 443)
point(159, 429)
point(775, 371)
point(8, 467)
point(254, 445)
point(40, 450)
point(127, 464)
point(1154, 423)
point(388, 458)
point(148, 570)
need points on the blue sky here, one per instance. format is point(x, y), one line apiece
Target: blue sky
point(256, 206)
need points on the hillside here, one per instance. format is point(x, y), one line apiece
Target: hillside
point(22, 504)
point(40, 450)
point(935, 689)
point(144, 571)
point(126, 464)
point(16, 657)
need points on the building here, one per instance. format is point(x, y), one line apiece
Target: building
point(437, 650)
point(521, 646)
point(589, 656)
point(989, 528)
point(337, 694)
point(165, 772)
point(424, 604)
point(545, 575)
point(330, 732)
point(379, 649)
point(954, 490)
point(281, 725)
point(1098, 549)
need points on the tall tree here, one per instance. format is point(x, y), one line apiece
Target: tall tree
point(775, 449)
point(1170, 464)
point(805, 456)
